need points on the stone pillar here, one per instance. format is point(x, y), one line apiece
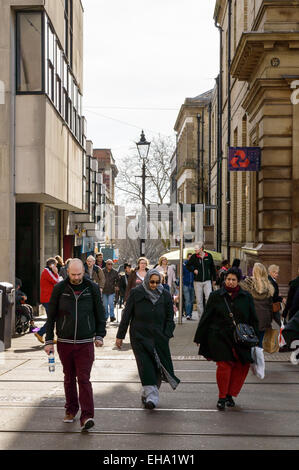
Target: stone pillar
point(7, 197)
point(295, 192)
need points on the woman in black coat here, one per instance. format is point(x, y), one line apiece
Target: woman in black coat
point(215, 336)
point(149, 312)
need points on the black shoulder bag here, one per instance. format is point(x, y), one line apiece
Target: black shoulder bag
point(244, 334)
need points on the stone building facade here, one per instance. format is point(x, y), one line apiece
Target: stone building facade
point(255, 103)
point(260, 63)
point(193, 155)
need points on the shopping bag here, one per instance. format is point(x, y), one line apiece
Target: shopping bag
point(281, 340)
point(294, 358)
point(270, 342)
point(258, 366)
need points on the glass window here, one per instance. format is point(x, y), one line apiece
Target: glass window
point(51, 45)
point(58, 60)
point(65, 74)
point(74, 128)
point(76, 97)
point(70, 114)
point(51, 226)
point(29, 52)
point(58, 94)
point(50, 90)
point(65, 105)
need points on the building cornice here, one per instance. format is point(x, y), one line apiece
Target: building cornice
point(256, 93)
point(271, 4)
point(219, 11)
point(254, 45)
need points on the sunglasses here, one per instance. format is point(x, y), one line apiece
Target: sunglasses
point(155, 282)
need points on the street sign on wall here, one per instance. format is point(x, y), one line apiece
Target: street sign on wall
point(244, 159)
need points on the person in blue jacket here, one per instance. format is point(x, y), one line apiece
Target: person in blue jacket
point(188, 289)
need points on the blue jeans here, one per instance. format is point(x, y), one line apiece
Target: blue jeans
point(261, 337)
point(108, 302)
point(42, 330)
point(188, 292)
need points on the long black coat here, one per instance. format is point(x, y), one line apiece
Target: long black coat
point(151, 327)
point(215, 329)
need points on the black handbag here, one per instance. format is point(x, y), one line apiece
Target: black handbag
point(244, 334)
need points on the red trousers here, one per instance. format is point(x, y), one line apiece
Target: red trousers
point(231, 377)
point(77, 361)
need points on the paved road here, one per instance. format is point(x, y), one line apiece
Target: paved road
point(32, 404)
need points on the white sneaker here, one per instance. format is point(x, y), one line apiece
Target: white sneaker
point(89, 423)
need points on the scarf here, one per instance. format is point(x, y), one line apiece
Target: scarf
point(232, 290)
point(154, 295)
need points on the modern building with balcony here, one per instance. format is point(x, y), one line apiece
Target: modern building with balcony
point(42, 135)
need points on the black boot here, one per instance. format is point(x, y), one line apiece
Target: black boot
point(221, 404)
point(230, 401)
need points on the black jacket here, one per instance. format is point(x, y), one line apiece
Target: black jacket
point(151, 327)
point(291, 331)
point(215, 329)
point(205, 266)
point(123, 283)
point(293, 286)
point(78, 319)
point(276, 296)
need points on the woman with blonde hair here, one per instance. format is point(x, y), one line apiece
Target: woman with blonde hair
point(168, 274)
point(137, 276)
point(262, 291)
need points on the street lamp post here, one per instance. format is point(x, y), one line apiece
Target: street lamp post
point(143, 149)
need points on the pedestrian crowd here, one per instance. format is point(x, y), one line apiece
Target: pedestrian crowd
point(236, 315)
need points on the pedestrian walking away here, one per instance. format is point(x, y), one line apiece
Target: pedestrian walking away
point(215, 336)
point(188, 289)
point(236, 264)
point(77, 311)
point(49, 278)
point(149, 312)
point(262, 292)
point(201, 264)
point(111, 286)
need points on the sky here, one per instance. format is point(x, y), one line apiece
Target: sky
point(142, 58)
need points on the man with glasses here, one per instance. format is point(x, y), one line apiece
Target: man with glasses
point(111, 286)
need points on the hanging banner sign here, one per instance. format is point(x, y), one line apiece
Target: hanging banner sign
point(244, 159)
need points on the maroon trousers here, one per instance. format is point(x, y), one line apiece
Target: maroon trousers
point(231, 377)
point(77, 361)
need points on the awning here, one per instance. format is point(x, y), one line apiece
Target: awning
point(175, 255)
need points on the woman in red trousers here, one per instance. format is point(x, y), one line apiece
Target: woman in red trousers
point(216, 339)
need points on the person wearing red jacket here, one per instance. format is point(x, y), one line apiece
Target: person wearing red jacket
point(48, 281)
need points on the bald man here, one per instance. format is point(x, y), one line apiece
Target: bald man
point(77, 311)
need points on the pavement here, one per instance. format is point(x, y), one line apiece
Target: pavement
point(32, 402)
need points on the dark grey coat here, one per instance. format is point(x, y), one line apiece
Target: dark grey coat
point(151, 327)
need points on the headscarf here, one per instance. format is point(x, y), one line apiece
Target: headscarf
point(154, 295)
